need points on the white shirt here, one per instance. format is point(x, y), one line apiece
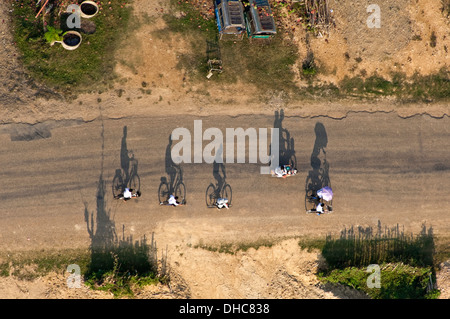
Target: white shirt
point(280, 172)
point(172, 200)
point(127, 193)
point(221, 202)
point(319, 208)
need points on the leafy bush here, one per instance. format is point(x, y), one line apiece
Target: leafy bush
point(406, 261)
point(89, 66)
point(397, 281)
point(363, 246)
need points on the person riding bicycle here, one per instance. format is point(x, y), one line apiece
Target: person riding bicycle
point(320, 209)
point(221, 203)
point(173, 200)
point(128, 194)
point(280, 171)
point(284, 171)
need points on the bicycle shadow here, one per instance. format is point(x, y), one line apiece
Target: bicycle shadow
point(127, 175)
point(318, 177)
point(221, 189)
point(286, 152)
point(172, 184)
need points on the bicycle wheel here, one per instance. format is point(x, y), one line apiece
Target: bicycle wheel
point(210, 195)
point(293, 162)
point(226, 193)
point(310, 203)
point(180, 192)
point(117, 186)
point(135, 183)
point(329, 205)
point(163, 192)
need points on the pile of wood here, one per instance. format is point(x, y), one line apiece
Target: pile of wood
point(319, 15)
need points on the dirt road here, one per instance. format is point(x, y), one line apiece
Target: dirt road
point(381, 167)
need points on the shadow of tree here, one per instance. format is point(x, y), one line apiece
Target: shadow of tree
point(112, 256)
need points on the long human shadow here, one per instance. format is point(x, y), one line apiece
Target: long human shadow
point(286, 154)
point(221, 189)
point(172, 184)
point(172, 169)
point(124, 157)
point(127, 175)
point(318, 177)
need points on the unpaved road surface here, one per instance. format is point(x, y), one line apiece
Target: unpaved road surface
point(381, 167)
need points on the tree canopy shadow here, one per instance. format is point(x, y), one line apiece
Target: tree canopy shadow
point(112, 255)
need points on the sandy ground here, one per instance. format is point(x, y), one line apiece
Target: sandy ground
point(282, 271)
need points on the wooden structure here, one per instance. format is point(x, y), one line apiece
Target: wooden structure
point(259, 19)
point(214, 58)
point(319, 15)
point(230, 18)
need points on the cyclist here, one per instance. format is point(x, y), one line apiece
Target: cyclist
point(128, 194)
point(320, 209)
point(280, 171)
point(173, 201)
point(221, 203)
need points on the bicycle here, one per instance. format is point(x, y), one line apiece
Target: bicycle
point(213, 192)
point(120, 181)
point(164, 190)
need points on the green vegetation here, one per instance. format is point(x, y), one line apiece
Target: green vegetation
point(406, 262)
point(269, 65)
point(53, 35)
point(119, 269)
point(33, 264)
point(233, 248)
point(433, 87)
point(90, 66)
point(397, 281)
point(265, 64)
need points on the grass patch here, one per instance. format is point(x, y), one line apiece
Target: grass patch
point(434, 87)
point(34, 264)
point(123, 266)
point(233, 248)
point(90, 66)
point(119, 269)
point(407, 262)
point(398, 281)
point(311, 244)
point(265, 64)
